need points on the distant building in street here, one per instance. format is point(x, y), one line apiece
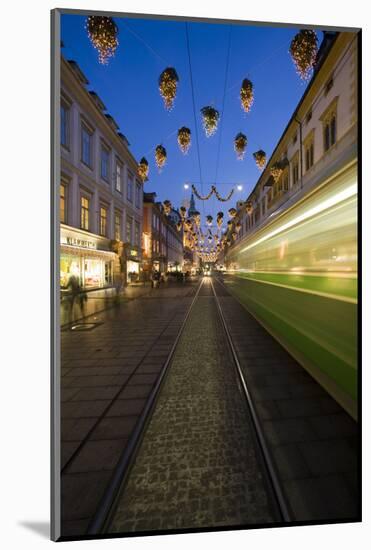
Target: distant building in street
point(101, 199)
point(162, 242)
point(319, 141)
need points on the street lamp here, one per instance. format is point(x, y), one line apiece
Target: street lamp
point(239, 187)
point(186, 186)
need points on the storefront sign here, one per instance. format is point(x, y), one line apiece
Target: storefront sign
point(81, 243)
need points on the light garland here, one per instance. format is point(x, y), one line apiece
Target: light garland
point(303, 50)
point(184, 139)
point(102, 32)
point(240, 144)
point(168, 83)
point(225, 199)
point(179, 226)
point(260, 158)
point(210, 119)
point(209, 220)
point(232, 212)
point(143, 169)
point(246, 95)
point(201, 197)
point(160, 157)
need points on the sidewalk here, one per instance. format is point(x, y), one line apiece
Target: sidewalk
point(107, 374)
point(102, 299)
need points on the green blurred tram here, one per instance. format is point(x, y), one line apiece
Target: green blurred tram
point(297, 274)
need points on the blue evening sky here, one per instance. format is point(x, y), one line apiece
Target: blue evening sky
point(128, 86)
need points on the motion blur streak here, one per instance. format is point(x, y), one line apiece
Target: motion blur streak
point(307, 259)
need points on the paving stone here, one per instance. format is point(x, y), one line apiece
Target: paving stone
point(136, 391)
point(326, 457)
point(98, 455)
point(114, 428)
point(290, 462)
point(127, 407)
point(83, 409)
point(80, 494)
point(97, 393)
point(68, 448)
point(76, 429)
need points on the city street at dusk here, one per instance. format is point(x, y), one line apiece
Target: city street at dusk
point(208, 276)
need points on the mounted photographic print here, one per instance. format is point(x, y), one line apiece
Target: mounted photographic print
point(205, 293)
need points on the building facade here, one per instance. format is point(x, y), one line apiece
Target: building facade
point(162, 242)
point(319, 141)
point(101, 198)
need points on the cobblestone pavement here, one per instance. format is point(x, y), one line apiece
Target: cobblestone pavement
point(107, 374)
point(314, 442)
point(197, 466)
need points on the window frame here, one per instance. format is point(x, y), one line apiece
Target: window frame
point(65, 202)
point(64, 104)
point(118, 216)
point(86, 211)
point(103, 220)
point(130, 188)
point(104, 149)
point(120, 164)
point(85, 127)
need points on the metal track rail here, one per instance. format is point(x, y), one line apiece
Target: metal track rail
point(101, 518)
point(266, 455)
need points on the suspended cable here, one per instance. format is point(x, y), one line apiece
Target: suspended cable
point(194, 111)
point(223, 103)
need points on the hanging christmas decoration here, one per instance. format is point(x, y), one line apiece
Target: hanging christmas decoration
point(219, 218)
point(234, 235)
point(232, 212)
point(201, 197)
point(167, 207)
point(249, 208)
point(184, 139)
point(303, 50)
point(197, 218)
point(229, 224)
point(226, 199)
point(183, 211)
point(160, 157)
point(276, 171)
point(240, 144)
point(246, 95)
point(210, 119)
point(260, 158)
point(168, 83)
point(188, 224)
point(209, 220)
point(179, 226)
point(238, 227)
point(102, 32)
point(143, 169)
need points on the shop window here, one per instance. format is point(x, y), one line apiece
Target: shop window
point(84, 215)
point(103, 221)
point(118, 179)
point(86, 145)
point(117, 226)
point(65, 124)
point(104, 163)
point(63, 204)
point(129, 193)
